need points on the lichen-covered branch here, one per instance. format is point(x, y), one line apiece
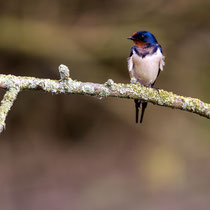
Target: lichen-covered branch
point(6, 104)
point(109, 89)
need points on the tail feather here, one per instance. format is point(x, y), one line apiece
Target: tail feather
point(138, 103)
point(144, 105)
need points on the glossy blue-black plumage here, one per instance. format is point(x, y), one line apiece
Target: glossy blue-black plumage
point(148, 50)
point(150, 43)
point(144, 36)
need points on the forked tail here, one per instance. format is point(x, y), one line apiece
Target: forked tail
point(139, 103)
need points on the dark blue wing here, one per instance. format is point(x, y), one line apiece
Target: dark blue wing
point(132, 49)
point(157, 47)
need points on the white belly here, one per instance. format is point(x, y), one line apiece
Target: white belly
point(146, 69)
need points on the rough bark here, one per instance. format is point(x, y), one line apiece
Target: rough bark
point(15, 84)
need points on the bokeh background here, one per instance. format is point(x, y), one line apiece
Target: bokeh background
point(78, 152)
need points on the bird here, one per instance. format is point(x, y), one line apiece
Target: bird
point(145, 62)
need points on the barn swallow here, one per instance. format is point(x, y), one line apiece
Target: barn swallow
point(145, 62)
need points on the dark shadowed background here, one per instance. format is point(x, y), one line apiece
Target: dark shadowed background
point(78, 152)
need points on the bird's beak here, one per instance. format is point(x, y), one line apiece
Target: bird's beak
point(130, 37)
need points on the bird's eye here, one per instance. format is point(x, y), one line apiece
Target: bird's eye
point(142, 35)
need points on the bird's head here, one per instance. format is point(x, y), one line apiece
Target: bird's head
point(143, 38)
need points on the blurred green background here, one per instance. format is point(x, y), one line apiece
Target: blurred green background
point(78, 152)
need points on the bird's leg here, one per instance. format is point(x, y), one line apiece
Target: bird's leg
point(156, 88)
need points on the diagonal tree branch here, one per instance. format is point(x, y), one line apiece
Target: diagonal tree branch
point(66, 85)
point(6, 104)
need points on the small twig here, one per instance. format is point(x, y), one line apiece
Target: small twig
point(64, 72)
point(109, 89)
point(6, 104)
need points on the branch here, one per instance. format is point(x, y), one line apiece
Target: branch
point(66, 85)
point(6, 105)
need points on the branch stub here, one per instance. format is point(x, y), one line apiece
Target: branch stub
point(64, 72)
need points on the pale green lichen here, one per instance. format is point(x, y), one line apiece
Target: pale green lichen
point(49, 85)
point(104, 92)
point(134, 91)
point(133, 80)
point(64, 72)
point(188, 104)
point(194, 105)
point(72, 86)
point(208, 112)
point(121, 90)
point(203, 106)
point(9, 83)
point(109, 83)
point(164, 97)
point(6, 105)
point(88, 89)
point(32, 84)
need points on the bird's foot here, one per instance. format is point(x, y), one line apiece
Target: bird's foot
point(156, 88)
